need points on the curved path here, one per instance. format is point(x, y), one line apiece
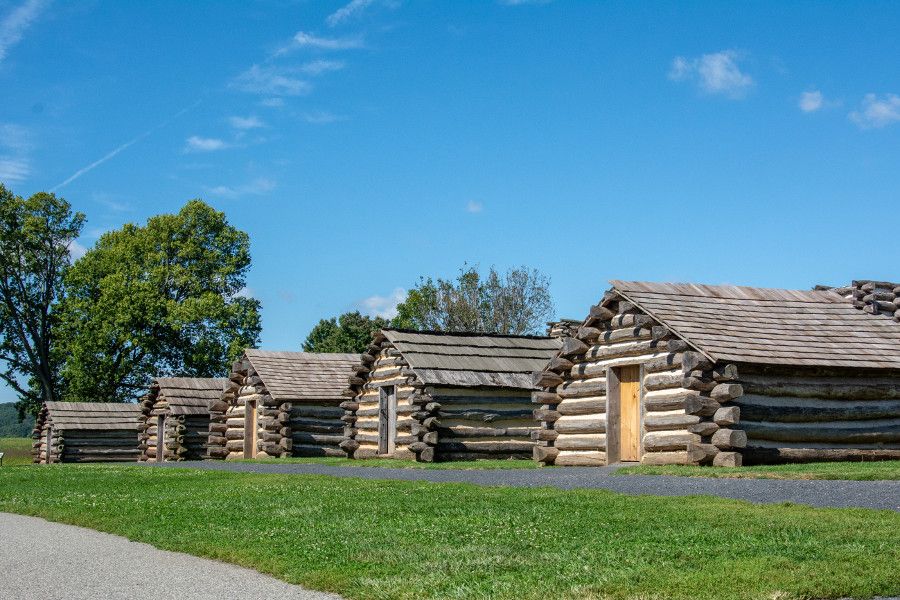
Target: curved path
point(40, 559)
point(824, 493)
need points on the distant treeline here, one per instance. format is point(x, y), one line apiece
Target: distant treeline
point(9, 422)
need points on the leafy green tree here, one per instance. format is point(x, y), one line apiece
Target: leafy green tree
point(35, 235)
point(160, 299)
point(517, 302)
point(351, 332)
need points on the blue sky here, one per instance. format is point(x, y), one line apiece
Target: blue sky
point(364, 144)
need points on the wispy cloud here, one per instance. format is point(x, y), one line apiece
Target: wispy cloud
point(124, 146)
point(811, 101)
point(523, 2)
point(244, 123)
point(877, 111)
point(317, 67)
point(349, 11)
point(303, 39)
point(76, 250)
point(257, 187)
point(196, 143)
point(15, 143)
point(272, 102)
point(474, 207)
point(245, 292)
point(14, 25)
point(321, 117)
point(382, 306)
point(716, 73)
point(270, 81)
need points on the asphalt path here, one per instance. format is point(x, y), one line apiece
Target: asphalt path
point(51, 561)
point(821, 493)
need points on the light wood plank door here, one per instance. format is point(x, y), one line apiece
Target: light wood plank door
point(250, 424)
point(630, 413)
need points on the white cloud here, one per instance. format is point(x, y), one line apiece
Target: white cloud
point(876, 112)
point(201, 144)
point(523, 2)
point(245, 292)
point(382, 306)
point(251, 122)
point(76, 250)
point(303, 39)
point(474, 207)
point(353, 9)
point(321, 117)
point(14, 169)
point(317, 67)
point(270, 81)
point(257, 187)
point(716, 73)
point(272, 102)
point(14, 25)
point(811, 101)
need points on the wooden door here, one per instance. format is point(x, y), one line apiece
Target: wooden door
point(49, 459)
point(250, 424)
point(160, 438)
point(630, 413)
point(387, 419)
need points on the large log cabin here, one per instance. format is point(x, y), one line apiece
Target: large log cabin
point(175, 423)
point(281, 404)
point(434, 396)
point(696, 374)
point(86, 432)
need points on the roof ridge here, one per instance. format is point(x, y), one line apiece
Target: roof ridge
point(468, 333)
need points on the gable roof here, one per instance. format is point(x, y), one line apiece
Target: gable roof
point(303, 375)
point(92, 415)
point(190, 395)
point(769, 326)
point(474, 359)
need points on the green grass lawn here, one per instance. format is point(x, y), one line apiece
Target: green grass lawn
point(860, 471)
point(392, 539)
point(392, 463)
point(16, 451)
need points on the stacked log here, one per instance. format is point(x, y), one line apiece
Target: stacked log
point(40, 451)
point(682, 422)
point(877, 297)
point(382, 365)
point(216, 442)
point(562, 328)
point(808, 414)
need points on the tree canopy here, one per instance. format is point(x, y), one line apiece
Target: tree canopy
point(35, 235)
point(351, 332)
point(159, 299)
point(517, 302)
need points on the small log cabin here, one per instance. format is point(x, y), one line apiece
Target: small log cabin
point(281, 404)
point(86, 432)
point(444, 396)
point(698, 374)
point(175, 423)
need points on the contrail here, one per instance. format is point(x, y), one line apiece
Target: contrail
point(124, 146)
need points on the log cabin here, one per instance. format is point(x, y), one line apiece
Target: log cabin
point(433, 396)
point(281, 404)
point(696, 374)
point(86, 432)
point(175, 417)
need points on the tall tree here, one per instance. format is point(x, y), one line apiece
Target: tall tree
point(517, 302)
point(160, 299)
point(35, 235)
point(351, 332)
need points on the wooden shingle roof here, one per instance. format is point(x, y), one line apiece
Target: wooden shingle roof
point(190, 395)
point(92, 415)
point(303, 375)
point(474, 359)
point(770, 326)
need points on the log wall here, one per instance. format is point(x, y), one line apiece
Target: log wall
point(811, 415)
point(39, 449)
point(877, 297)
point(685, 413)
point(185, 435)
point(100, 446)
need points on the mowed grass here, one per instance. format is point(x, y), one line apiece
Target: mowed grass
point(858, 471)
point(16, 451)
point(390, 539)
point(393, 463)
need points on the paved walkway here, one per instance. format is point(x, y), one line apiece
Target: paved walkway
point(841, 494)
point(50, 561)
